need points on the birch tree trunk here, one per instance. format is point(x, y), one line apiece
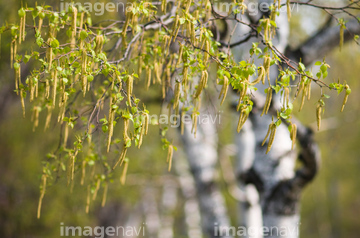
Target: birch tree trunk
point(270, 182)
point(202, 157)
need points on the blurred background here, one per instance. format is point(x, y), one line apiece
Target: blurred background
point(330, 204)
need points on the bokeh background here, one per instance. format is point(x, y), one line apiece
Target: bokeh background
point(330, 204)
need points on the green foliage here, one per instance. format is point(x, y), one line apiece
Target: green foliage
point(85, 73)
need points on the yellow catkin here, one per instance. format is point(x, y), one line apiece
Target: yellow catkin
point(242, 119)
point(177, 92)
point(129, 84)
point(188, 4)
point(272, 18)
point(207, 52)
point(303, 96)
point(36, 117)
point(49, 54)
point(170, 156)
point(318, 115)
point(347, 93)
point(47, 88)
point(17, 78)
point(308, 91)
point(104, 195)
point(40, 24)
point(224, 90)
point(97, 187)
point(22, 101)
point(36, 87)
point(141, 136)
point(129, 17)
point(293, 135)
point(87, 208)
point(194, 116)
point(111, 119)
point(66, 134)
point(267, 63)
point(243, 91)
point(192, 33)
point(121, 157)
point(62, 102)
point(202, 83)
point(81, 22)
point(181, 48)
point(266, 30)
point(72, 166)
point(48, 117)
point(99, 42)
point(146, 122)
point(148, 77)
point(73, 26)
point(271, 134)
point(267, 134)
point(261, 76)
point(111, 130)
point(83, 71)
point(83, 172)
point(124, 172)
point(185, 76)
point(24, 24)
point(166, 39)
point(157, 72)
point(176, 27)
point(268, 101)
point(42, 193)
point(288, 9)
point(55, 81)
point(271, 138)
point(163, 6)
point(20, 30)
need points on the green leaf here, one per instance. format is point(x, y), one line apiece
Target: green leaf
point(83, 35)
point(39, 41)
point(278, 122)
point(325, 74)
point(323, 68)
point(16, 65)
point(128, 143)
point(21, 12)
point(301, 66)
point(54, 43)
point(90, 78)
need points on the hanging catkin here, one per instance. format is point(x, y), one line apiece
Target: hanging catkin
point(129, 88)
point(347, 93)
point(170, 156)
point(42, 193)
point(202, 83)
point(224, 90)
point(73, 26)
point(268, 101)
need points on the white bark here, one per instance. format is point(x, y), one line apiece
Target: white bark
point(265, 171)
point(169, 201)
point(202, 156)
point(191, 206)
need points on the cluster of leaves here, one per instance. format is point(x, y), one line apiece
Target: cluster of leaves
point(170, 48)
